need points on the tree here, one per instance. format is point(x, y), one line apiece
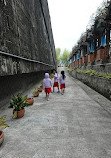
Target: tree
point(65, 56)
point(101, 10)
point(58, 50)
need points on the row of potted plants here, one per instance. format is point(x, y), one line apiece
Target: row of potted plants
point(38, 90)
point(18, 103)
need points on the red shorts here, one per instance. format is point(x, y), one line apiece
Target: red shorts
point(56, 84)
point(48, 90)
point(62, 86)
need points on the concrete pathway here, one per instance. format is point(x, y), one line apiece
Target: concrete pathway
point(74, 125)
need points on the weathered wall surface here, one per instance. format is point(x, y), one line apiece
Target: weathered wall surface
point(100, 84)
point(27, 40)
point(25, 31)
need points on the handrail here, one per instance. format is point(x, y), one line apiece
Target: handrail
point(26, 59)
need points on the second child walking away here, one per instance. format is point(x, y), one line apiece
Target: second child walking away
point(47, 85)
point(62, 82)
point(56, 84)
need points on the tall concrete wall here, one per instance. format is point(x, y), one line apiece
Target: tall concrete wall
point(25, 30)
point(26, 43)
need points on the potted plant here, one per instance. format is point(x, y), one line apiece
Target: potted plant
point(41, 86)
point(30, 101)
point(36, 92)
point(18, 102)
point(40, 89)
point(2, 126)
point(51, 76)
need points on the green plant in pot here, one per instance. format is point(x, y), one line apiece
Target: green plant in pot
point(36, 92)
point(30, 101)
point(42, 82)
point(2, 126)
point(51, 76)
point(41, 86)
point(19, 103)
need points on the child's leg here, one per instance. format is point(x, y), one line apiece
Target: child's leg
point(53, 89)
point(48, 97)
point(58, 89)
point(62, 91)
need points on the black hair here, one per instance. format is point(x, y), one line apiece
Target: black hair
point(62, 73)
point(55, 70)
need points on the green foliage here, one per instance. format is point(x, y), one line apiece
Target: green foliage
point(51, 76)
point(34, 92)
point(95, 73)
point(65, 56)
point(42, 82)
point(15, 114)
point(58, 50)
point(62, 58)
point(108, 76)
point(69, 69)
point(68, 66)
point(18, 102)
point(101, 10)
point(3, 122)
point(36, 88)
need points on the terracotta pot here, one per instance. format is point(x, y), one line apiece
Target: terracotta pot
point(40, 89)
point(37, 94)
point(20, 113)
point(30, 101)
point(1, 137)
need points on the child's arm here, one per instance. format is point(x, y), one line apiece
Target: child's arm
point(43, 83)
point(51, 83)
point(59, 79)
point(55, 75)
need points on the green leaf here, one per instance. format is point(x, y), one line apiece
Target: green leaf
point(18, 102)
point(3, 121)
point(15, 114)
point(4, 126)
point(3, 118)
point(25, 97)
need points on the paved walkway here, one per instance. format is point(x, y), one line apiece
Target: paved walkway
point(74, 125)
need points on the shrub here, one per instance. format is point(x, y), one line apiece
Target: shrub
point(18, 102)
point(95, 73)
point(69, 69)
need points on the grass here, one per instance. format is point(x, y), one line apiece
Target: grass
point(95, 73)
point(69, 69)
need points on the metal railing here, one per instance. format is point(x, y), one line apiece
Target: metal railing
point(26, 59)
